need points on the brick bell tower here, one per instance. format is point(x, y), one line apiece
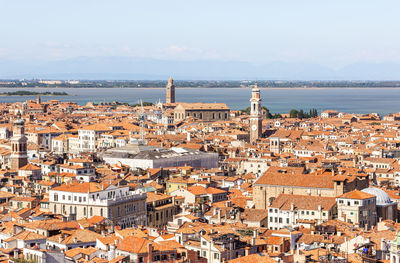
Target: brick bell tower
point(19, 157)
point(170, 98)
point(255, 115)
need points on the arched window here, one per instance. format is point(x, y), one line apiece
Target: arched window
point(75, 210)
point(70, 209)
point(84, 211)
point(55, 208)
point(101, 211)
point(91, 211)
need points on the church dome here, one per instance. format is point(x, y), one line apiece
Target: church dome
point(382, 198)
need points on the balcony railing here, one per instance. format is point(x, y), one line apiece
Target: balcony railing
point(117, 199)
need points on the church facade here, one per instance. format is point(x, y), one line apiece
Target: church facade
point(202, 111)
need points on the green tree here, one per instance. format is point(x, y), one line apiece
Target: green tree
point(247, 110)
point(293, 113)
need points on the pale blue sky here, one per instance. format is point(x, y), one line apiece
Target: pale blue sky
point(330, 33)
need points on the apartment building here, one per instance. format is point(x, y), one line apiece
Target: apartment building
point(160, 209)
point(357, 207)
point(292, 210)
point(90, 136)
point(116, 203)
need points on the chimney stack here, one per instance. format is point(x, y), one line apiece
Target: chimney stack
point(150, 252)
point(253, 241)
point(255, 233)
point(111, 252)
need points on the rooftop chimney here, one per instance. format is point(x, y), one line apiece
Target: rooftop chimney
point(150, 252)
point(255, 233)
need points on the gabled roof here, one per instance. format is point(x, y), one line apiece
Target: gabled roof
point(304, 202)
point(26, 235)
point(356, 194)
point(82, 236)
point(87, 187)
point(30, 167)
point(299, 180)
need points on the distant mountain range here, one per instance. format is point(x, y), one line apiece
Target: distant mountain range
point(127, 68)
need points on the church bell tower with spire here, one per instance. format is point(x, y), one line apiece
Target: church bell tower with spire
point(255, 115)
point(19, 157)
point(170, 98)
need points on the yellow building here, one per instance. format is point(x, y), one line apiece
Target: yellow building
point(160, 209)
point(178, 183)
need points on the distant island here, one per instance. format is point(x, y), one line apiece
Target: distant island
point(54, 84)
point(33, 93)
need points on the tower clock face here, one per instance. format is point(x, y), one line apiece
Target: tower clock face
point(254, 127)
